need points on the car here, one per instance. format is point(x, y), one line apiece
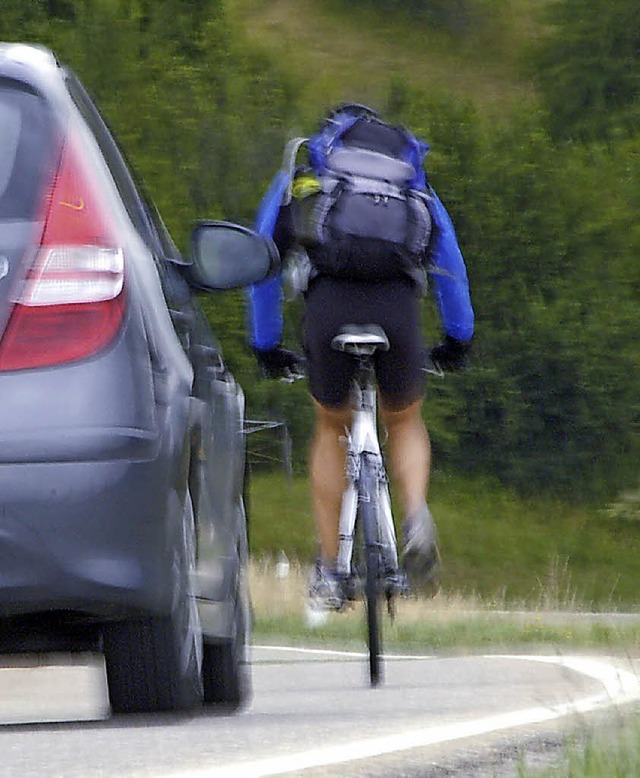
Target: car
point(122, 454)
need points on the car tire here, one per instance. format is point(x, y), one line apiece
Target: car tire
point(226, 672)
point(154, 663)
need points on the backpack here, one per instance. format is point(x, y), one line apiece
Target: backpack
point(360, 210)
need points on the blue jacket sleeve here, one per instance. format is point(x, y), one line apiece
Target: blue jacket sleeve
point(265, 299)
point(448, 274)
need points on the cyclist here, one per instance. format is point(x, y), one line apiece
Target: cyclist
point(394, 304)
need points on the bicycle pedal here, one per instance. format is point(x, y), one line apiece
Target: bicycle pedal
point(402, 583)
point(351, 589)
point(397, 583)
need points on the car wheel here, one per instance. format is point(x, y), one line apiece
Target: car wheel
point(226, 672)
point(154, 663)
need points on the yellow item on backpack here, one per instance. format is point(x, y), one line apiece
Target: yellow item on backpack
point(306, 184)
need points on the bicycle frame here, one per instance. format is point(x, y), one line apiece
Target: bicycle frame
point(362, 441)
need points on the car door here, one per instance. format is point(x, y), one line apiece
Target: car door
point(217, 443)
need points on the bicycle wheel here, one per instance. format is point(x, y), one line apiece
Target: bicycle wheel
point(368, 519)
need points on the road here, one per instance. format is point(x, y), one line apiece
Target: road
point(312, 714)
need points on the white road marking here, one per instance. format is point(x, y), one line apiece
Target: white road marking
point(338, 653)
point(619, 687)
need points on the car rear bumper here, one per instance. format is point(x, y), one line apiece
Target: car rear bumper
point(79, 445)
point(91, 537)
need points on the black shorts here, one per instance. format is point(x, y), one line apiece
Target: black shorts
point(393, 305)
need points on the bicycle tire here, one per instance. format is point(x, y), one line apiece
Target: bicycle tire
point(368, 514)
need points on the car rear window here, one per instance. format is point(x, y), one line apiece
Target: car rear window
point(26, 153)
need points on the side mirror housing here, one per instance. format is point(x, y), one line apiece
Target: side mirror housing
point(228, 256)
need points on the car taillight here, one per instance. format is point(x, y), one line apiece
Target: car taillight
point(71, 304)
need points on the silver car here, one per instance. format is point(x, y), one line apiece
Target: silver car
point(122, 527)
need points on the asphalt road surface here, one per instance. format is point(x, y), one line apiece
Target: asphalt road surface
point(312, 714)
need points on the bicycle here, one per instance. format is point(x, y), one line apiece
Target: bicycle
point(367, 560)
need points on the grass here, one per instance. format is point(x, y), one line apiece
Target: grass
point(444, 623)
point(497, 548)
point(613, 751)
point(346, 50)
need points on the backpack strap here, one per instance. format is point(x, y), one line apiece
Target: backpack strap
point(321, 144)
point(289, 165)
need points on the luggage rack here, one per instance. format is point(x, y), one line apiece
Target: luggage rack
point(257, 455)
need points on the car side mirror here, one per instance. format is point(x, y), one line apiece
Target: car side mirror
point(228, 256)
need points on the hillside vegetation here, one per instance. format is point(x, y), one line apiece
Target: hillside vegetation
point(547, 226)
point(346, 49)
point(532, 110)
point(556, 289)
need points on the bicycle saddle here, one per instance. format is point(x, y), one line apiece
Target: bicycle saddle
point(360, 339)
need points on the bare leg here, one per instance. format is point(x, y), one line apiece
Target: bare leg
point(327, 471)
point(409, 454)
point(409, 460)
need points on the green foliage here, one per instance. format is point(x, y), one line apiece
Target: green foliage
point(550, 402)
point(588, 68)
point(549, 232)
point(210, 113)
point(17, 15)
point(455, 16)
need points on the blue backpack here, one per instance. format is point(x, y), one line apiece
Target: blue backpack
point(446, 265)
point(360, 209)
